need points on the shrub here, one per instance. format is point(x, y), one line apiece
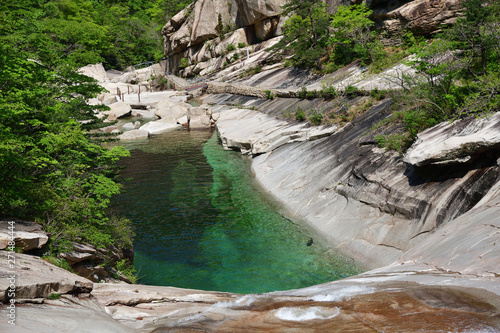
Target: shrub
point(184, 63)
point(127, 269)
point(269, 94)
point(351, 91)
point(54, 296)
point(329, 92)
point(378, 94)
point(315, 118)
point(300, 115)
point(302, 94)
point(241, 45)
point(235, 56)
point(311, 94)
point(230, 48)
point(399, 142)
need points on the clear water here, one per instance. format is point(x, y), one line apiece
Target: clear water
point(202, 223)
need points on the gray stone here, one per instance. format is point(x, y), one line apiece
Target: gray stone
point(159, 126)
point(137, 134)
point(36, 278)
point(118, 110)
point(25, 234)
point(457, 142)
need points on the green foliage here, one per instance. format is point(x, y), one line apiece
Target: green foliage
point(352, 36)
point(127, 269)
point(269, 94)
point(230, 47)
point(54, 296)
point(300, 115)
point(351, 91)
point(305, 33)
point(235, 56)
point(52, 171)
point(329, 92)
point(399, 142)
point(184, 63)
point(302, 93)
point(220, 27)
point(311, 94)
point(378, 94)
point(315, 117)
point(241, 45)
point(58, 262)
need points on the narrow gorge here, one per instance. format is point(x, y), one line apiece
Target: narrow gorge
point(253, 216)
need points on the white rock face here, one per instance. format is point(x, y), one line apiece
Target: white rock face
point(137, 134)
point(95, 71)
point(253, 132)
point(37, 278)
point(457, 142)
point(199, 117)
point(159, 126)
point(118, 110)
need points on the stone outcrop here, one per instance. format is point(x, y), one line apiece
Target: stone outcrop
point(263, 133)
point(457, 142)
point(35, 278)
point(25, 234)
point(423, 17)
point(193, 33)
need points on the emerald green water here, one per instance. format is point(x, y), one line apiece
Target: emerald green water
point(202, 223)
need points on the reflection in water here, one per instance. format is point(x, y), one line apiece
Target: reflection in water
point(202, 223)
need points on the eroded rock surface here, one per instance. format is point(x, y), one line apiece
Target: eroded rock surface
point(25, 234)
point(457, 142)
point(36, 278)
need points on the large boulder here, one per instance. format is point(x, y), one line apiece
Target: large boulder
point(137, 134)
point(199, 117)
point(253, 11)
point(34, 278)
point(455, 142)
point(159, 126)
point(170, 111)
point(95, 71)
point(25, 234)
point(424, 16)
point(118, 110)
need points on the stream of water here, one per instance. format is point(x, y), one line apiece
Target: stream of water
point(201, 222)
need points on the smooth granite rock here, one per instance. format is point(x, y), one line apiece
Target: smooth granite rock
point(35, 278)
point(456, 142)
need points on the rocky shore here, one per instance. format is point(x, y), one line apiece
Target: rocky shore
point(426, 223)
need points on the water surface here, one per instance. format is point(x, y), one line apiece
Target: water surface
point(202, 223)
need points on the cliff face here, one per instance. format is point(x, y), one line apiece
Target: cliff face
point(193, 33)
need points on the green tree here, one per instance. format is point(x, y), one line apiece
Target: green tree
point(305, 33)
point(50, 170)
point(352, 35)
